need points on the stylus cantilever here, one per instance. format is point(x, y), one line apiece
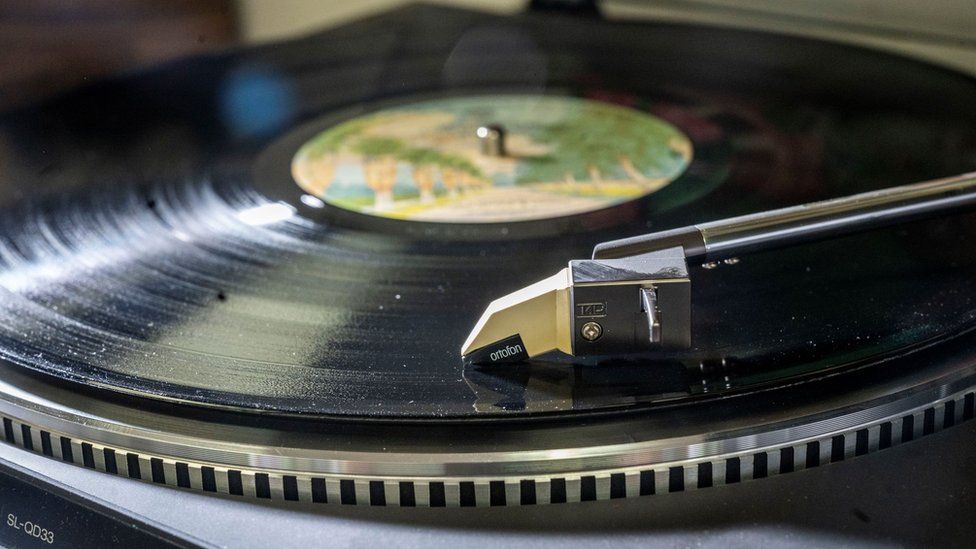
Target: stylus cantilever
point(634, 294)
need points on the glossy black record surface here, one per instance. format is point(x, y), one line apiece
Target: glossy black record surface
point(151, 240)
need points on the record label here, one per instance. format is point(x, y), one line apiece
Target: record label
point(492, 159)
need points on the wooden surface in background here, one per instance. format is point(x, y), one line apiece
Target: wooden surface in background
point(47, 46)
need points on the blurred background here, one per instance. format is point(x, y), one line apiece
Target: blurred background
point(49, 45)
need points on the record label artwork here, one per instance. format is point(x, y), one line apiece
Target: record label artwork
point(492, 159)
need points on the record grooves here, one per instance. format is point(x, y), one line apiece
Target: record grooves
point(160, 260)
point(562, 461)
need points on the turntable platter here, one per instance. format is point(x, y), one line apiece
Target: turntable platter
point(156, 243)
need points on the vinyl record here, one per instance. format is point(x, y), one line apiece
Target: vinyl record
point(157, 236)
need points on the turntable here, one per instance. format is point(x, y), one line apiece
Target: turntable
point(259, 275)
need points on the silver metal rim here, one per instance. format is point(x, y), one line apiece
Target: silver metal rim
point(189, 457)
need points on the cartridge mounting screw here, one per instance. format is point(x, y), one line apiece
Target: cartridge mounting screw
point(591, 331)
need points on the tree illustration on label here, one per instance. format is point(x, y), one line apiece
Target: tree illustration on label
point(602, 143)
point(424, 161)
point(318, 169)
point(380, 167)
point(451, 179)
point(455, 172)
point(318, 172)
point(460, 172)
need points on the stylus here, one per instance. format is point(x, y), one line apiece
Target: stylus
point(635, 293)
